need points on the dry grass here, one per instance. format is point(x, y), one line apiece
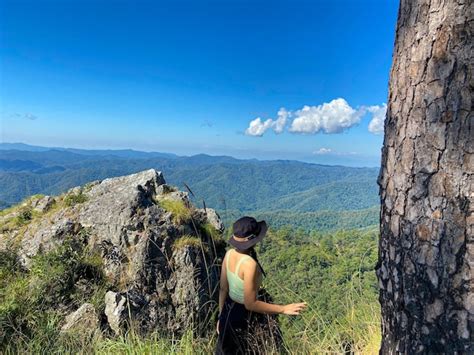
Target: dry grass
point(209, 230)
point(180, 212)
point(357, 331)
point(187, 241)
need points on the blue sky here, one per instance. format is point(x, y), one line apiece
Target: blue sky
point(190, 76)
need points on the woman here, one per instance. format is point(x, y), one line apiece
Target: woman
point(241, 277)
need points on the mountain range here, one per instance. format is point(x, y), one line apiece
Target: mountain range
point(281, 190)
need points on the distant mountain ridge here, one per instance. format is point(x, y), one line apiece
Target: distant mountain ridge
point(224, 183)
point(125, 153)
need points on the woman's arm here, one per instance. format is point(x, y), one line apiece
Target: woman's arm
point(251, 289)
point(251, 274)
point(224, 285)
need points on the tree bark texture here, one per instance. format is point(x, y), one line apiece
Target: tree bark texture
point(426, 249)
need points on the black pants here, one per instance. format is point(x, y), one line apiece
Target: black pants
point(245, 332)
point(233, 329)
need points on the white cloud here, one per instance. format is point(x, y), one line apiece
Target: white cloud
point(326, 151)
point(280, 123)
point(257, 127)
point(332, 117)
point(322, 151)
point(378, 117)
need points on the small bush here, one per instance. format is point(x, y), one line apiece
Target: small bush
point(26, 203)
point(209, 230)
point(180, 212)
point(25, 216)
point(32, 303)
point(74, 199)
point(87, 187)
point(20, 216)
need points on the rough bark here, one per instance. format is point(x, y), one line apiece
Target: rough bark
point(426, 251)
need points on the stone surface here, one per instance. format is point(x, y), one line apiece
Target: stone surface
point(155, 286)
point(115, 311)
point(214, 219)
point(83, 320)
point(425, 266)
point(43, 204)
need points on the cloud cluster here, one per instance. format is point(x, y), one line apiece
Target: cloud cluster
point(257, 127)
point(322, 151)
point(329, 151)
point(332, 117)
point(335, 116)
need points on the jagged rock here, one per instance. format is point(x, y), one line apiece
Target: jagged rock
point(75, 190)
point(164, 189)
point(188, 289)
point(43, 204)
point(115, 310)
point(155, 284)
point(46, 236)
point(84, 319)
point(214, 219)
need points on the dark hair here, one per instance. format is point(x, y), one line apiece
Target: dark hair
point(253, 254)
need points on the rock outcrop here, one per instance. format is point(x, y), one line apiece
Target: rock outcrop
point(159, 254)
point(84, 320)
point(426, 255)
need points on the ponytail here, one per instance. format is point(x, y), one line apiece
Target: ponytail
point(253, 254)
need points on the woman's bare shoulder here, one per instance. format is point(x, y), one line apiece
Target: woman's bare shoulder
point(250, 263)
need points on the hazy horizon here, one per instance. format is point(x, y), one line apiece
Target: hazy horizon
point(7, 144)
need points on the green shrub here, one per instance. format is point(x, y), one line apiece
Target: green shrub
point(25, 216)
point(19, 216)
point(26, 203)
point(74, 199)
point(180, 212)
point(209, 230)
point(32, 302)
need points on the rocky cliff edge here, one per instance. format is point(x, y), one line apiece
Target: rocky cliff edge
point(158, 254)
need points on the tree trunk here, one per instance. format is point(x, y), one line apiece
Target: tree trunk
point(426, 250)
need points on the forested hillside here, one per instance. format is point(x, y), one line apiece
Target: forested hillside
point(326, 220)
point(285, 192)
point(334, 273)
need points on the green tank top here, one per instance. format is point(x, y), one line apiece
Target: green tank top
point(236, 284)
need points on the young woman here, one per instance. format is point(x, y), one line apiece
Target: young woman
point(241, 277)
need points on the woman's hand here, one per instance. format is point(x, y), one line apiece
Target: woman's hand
point(217, 327)
point(293, 309)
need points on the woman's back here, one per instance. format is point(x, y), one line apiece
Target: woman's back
point(235, 274)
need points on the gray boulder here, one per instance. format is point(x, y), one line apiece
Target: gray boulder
point(84, 320)
point(43, 204)
point(213, 219)
point(115, 310)
point(155, 284)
